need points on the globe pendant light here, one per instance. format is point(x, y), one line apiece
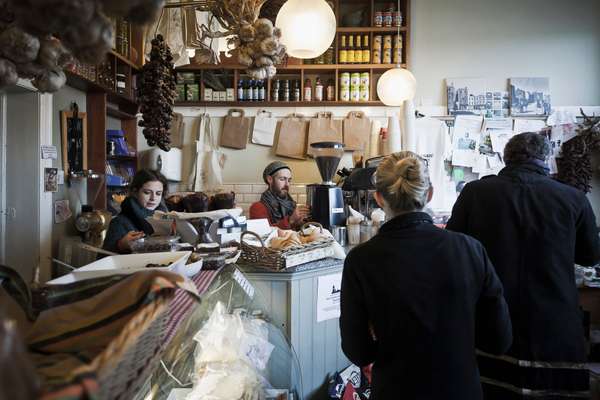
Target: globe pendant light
point(396, 85)
point(307, 27)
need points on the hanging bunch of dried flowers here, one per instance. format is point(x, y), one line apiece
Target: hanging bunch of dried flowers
point(256, 39)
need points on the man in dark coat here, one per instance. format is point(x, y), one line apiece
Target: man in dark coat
point(534, 229)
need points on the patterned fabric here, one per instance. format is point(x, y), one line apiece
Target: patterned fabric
point(278, 208)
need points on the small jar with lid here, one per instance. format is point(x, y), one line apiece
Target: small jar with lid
point(307, 90)
point(286, 90)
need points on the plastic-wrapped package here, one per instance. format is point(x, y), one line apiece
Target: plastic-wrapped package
point(226, 347)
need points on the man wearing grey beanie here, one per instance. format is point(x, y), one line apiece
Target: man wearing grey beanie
point(275, 203)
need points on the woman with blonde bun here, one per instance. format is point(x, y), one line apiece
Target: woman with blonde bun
point(416, 299)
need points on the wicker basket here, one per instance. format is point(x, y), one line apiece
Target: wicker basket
point(282, 259)
point(125, 365)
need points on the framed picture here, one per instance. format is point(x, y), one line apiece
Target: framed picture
point(529, 97)
point(50, 179)
point(74, 141)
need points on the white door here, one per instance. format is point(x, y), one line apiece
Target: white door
point(21, 181)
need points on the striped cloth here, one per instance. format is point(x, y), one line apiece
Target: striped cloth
point(181, 305)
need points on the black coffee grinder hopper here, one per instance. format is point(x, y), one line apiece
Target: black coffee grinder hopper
point(325, 199)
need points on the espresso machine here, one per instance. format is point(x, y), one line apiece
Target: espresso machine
point(359, 188)
point(325, 199)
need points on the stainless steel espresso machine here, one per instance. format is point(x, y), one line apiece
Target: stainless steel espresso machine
point(325, 199)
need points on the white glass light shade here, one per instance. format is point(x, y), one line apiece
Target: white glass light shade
point(395, 86)
point(307, 27)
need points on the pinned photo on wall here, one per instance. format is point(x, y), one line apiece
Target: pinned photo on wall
point(530, 97)
point(62, 211)
point(50, 180)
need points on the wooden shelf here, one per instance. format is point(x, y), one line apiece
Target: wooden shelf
point(87, 86)
point(122, 158)
point(276, 103)
point(113, 112)
point(126, 61)
point(289, 67)
point(353, 29)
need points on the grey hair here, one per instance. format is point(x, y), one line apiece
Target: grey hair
point(525, 147)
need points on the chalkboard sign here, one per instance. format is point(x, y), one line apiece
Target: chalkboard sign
point(74, 141)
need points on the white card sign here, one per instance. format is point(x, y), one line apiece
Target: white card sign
point(328, 297)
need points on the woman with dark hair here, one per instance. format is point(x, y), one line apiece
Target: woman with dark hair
point(145, 196)
point(417, 299)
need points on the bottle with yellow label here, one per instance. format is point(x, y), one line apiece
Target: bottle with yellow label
point(350, 56)
point(366, 51)
point(358, 51)
point(343, 56)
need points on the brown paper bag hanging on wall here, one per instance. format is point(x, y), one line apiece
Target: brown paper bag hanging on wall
point(357, 128)
point(236, 129)
point(324, 128)
point(292, 137)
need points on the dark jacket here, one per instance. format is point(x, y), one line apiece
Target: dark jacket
point(534, 230)
point(432, 296)
point(131, 218)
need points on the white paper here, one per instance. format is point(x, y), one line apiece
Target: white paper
point(561, 118)
point(498, 123)
point(49, 152)
point(328, 297)
point(500, 138)
point(465, 144)
point(60, 178)
point(528, 125)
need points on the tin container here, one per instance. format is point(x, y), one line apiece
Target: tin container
point(378, 19)
point(387, 19)
point(355, 79)
point(355, 93)
point(364, 79)
point(387, 42)
point(377, 41)
point(345, 79)
point(376, 58)
point(387, 56)
point(345, 93)
point(397, 56)
point(364, 93)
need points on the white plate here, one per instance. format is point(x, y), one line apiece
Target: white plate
point(130, 263)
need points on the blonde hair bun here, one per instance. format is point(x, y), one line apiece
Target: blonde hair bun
point(403, 181)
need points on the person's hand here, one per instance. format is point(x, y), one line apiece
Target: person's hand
point(300, 214)
point(124, 244)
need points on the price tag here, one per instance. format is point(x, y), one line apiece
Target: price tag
point(244, 283)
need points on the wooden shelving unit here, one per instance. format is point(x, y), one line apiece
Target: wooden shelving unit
point(103, 101)
point(297, 70)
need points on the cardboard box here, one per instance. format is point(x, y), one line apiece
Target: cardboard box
point(223, 96)
point(208, 94)
point(230, 96)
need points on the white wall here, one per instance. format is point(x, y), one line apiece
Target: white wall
point(510, 38)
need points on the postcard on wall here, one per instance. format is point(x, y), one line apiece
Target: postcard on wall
point(62, 211)
point(528, 125)
point(530, 96)
point(50, 180)
point(467, 96)
point(466, 137)
point(499, 139)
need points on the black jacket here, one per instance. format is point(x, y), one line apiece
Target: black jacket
point(534, 230)
point(431, 296)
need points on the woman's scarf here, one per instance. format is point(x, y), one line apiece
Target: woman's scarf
point(137, 214)
point(278, 207)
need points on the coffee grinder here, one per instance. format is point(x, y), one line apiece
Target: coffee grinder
point(325, 199)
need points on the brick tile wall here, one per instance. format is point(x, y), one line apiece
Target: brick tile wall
point(248, 193)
